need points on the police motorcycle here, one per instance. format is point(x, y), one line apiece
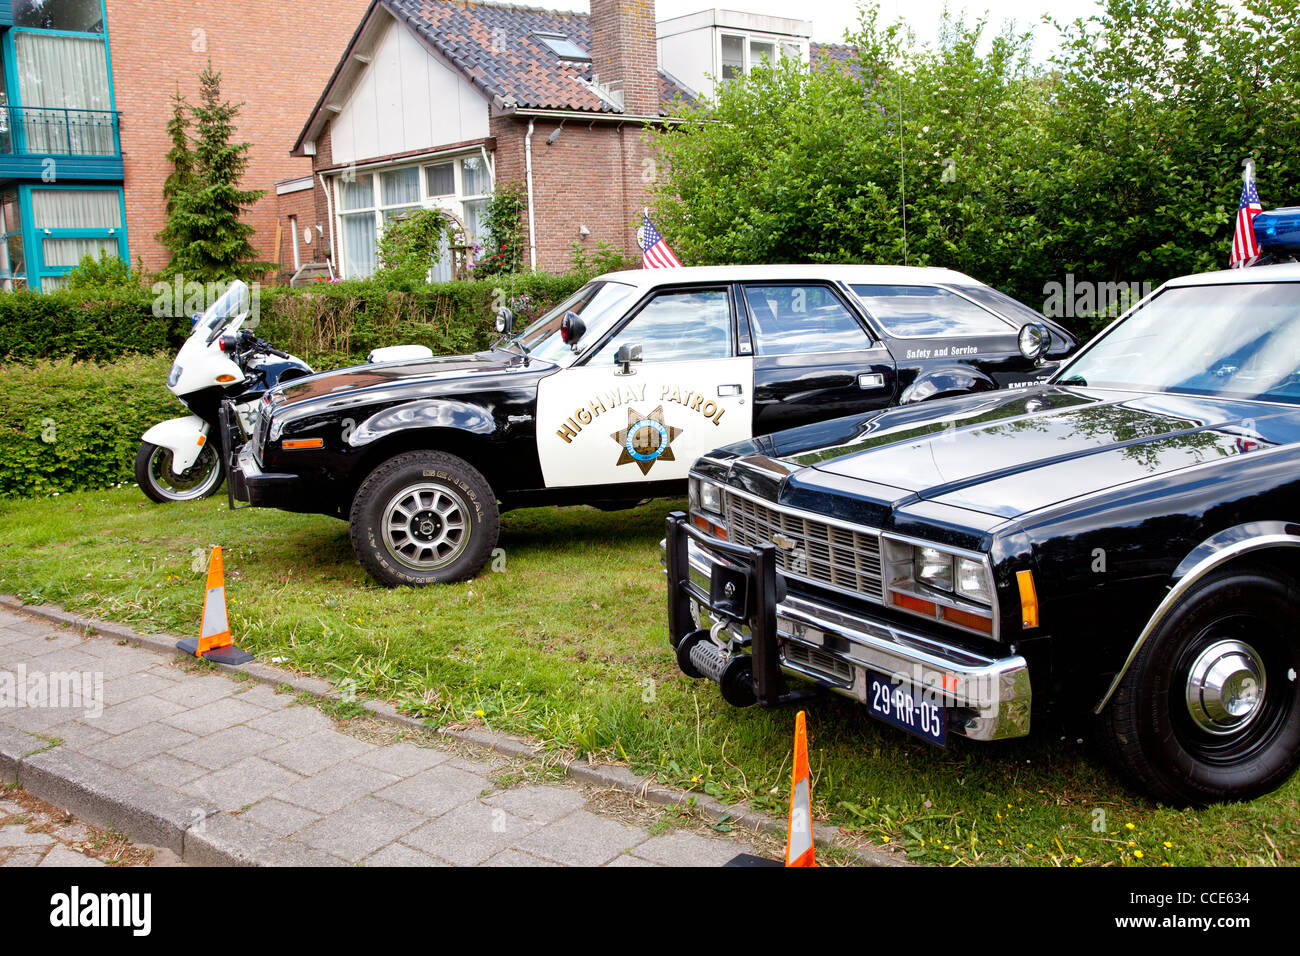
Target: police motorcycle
point(221, 361)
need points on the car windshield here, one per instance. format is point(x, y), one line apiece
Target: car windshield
point(596, 303)
point(1237, 341)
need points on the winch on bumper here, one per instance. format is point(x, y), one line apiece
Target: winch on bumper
point(731, 619)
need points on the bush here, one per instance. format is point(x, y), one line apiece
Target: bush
point(335, 324)
point(327, 324)
point(68, 425)
point(101, 328)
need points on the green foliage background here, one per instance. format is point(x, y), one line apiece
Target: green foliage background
point(1118, 160)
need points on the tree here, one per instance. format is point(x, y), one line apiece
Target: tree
point(206, 218)
point(180, 182)
point(1117, 161)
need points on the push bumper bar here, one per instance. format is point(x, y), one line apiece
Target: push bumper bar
point(731, 619)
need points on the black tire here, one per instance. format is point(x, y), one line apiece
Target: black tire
point(1162, 739)
point(441, 518)
point(154, 475)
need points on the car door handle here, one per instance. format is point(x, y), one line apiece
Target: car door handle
point(871, 380)
point(725, 390)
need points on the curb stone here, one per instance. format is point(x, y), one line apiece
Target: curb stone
point(225, 845)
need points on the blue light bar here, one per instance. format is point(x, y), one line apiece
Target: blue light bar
point(1278, 229)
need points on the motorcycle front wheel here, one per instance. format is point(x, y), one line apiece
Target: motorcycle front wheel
point(153, 472)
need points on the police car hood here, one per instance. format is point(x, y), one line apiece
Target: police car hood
point(359, 382)
point(1008, 453)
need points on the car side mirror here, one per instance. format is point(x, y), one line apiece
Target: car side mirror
point(505, 321)
point(1034, 341)
point(625, 356)
point(571, 329)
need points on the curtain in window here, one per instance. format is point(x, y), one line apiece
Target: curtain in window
point(358, 193)
point(68, 252)
point(76, 209)
point(401, 187)
point(65, 94)
point(359, 245)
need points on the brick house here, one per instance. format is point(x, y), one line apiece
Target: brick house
point(436, 101)
point(84, 106)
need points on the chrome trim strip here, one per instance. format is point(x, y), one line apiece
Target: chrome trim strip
point(1183, 585)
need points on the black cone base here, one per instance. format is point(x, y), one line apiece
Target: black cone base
point(229, 654)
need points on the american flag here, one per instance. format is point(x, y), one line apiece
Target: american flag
point(655, 253)
point(1244, 247)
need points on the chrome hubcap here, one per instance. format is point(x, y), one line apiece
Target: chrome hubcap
point(425, 526)
point(1225, 687)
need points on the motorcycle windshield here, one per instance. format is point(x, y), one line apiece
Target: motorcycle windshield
point(232, 303)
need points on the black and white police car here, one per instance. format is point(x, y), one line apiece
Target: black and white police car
point(607, 399)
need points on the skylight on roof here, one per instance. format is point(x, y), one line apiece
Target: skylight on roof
point(563, 47)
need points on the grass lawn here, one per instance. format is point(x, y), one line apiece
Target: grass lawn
point(567, 645)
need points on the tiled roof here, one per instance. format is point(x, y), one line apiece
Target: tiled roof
point(824, 55)
point(495, 47)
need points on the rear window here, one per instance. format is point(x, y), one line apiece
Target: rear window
point(908, 311)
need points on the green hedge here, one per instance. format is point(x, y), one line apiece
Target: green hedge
point(68, 425)
point(56, 324)
point(334, 324)
point(328, 324)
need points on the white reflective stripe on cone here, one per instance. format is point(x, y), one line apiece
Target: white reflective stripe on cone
point(801, 837)
point(214, 612)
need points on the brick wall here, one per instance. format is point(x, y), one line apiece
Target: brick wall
point(593, 176)
point(275, 57)
point(298, 206)
point(624, 54)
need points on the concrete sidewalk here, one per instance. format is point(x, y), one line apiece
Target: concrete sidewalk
point(222, 771)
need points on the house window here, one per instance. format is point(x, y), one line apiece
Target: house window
point(64, 101)
point(733, 56)
point(563, 47)
point(368, 203)
point(741, 54)
point(70, 224)
point(13, 259)
point(70, 16)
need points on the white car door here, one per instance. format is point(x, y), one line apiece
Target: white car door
point(602, 422)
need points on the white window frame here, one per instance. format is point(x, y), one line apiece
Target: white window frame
point(454, 203)
point(780, 44)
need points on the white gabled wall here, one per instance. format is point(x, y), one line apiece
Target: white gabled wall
point(406, 99)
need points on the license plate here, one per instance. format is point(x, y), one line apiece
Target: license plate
point(904, 708)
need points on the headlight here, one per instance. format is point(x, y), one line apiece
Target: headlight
point(939, 584)
point(174, 375)
point(706, 507)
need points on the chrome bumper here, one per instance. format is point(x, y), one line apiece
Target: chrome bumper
point(987, 698)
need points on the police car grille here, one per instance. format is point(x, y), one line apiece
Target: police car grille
point(843, 558)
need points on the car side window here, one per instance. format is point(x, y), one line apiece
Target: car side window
point(797, 319)
point(676, 327)
point(910, 311)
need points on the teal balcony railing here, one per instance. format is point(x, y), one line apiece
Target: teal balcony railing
point(58, 131)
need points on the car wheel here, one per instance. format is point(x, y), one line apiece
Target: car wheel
point(154, 475)
point(424, 518)
point(1209, 711)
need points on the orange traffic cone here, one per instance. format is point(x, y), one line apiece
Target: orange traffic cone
point(799, 838)
point(214, 642)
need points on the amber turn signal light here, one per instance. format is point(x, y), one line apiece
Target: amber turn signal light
point(1028, 598)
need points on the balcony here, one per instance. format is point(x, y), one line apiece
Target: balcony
point(58, 142)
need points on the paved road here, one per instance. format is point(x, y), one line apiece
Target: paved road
point(255, 769)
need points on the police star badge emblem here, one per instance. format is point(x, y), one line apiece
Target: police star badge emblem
point(647, 439)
